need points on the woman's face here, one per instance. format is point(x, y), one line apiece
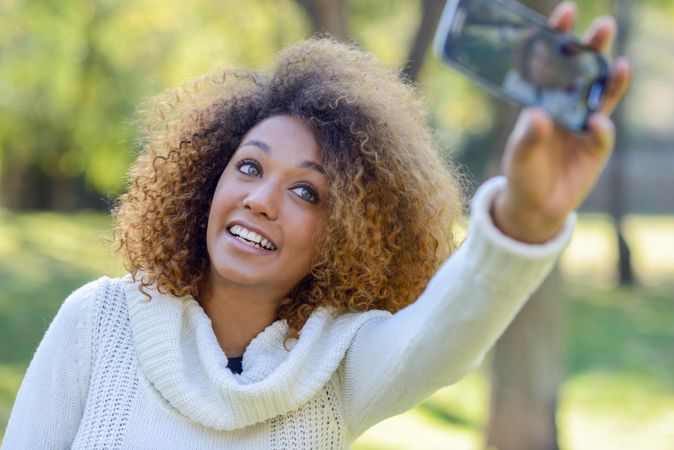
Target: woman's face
point(541, 64)
point(267, 209)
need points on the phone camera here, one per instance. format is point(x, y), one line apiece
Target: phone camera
point(568, 47)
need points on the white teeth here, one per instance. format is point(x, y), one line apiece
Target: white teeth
point(247, 242)
point(251, 238)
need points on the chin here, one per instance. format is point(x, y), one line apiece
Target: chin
point(236, 274)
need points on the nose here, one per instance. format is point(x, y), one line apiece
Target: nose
point(263, 201)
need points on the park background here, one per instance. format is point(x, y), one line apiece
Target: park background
point(588, 364)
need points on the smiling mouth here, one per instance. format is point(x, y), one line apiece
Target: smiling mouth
point(251, 238)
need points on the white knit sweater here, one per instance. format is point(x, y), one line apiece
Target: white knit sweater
point(115, 371)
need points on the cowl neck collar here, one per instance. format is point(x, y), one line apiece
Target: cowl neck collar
point(179, 356)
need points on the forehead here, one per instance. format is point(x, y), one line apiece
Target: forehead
point(284, 136)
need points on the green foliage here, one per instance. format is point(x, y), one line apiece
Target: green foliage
point(622, 330)
point(73, 71)
point(44, 257)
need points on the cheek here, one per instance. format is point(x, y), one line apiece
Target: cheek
point(222, 201)
point(305, 236)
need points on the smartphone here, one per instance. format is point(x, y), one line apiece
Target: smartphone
point(512, 52)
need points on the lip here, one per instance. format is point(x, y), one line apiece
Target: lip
point(250, 227)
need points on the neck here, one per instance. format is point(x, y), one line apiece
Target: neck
point(238, 314)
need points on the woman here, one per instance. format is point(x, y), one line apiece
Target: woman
point(294, 221)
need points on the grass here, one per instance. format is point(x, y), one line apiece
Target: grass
point(44, 257)
point(592, 254)
point(619, 392)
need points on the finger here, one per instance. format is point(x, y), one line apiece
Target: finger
point(601, 133)
point(600, 34)
point(533, 126)
point(617, 86)
point(563, 17)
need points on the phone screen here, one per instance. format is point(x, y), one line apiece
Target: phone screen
point(511, 51)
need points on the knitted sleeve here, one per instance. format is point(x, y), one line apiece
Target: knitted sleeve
point(50, 401)
point(395, 362)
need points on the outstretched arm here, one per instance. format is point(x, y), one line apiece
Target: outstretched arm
point(519, 226)
point(395, 362)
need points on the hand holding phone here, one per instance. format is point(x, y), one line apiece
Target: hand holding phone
point(551, 169)
point(511, 51)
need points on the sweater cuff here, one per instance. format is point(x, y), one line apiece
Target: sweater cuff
point(481, 218)
point(511, 256)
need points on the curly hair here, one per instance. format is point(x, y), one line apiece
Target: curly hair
point(392, 201)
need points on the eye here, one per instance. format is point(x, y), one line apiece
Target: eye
point(306, 193)
point(249, 167)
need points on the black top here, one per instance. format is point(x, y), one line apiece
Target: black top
point(234, 364)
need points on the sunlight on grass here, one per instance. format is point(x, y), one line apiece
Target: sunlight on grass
point(452, 417)
point(413, 430)
point(606, 410)
point(592, 253)
point(75, 240)
point(466, 400)
point(652, 240)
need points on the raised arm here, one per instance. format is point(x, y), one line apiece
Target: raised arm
point(50, 402)
point(397, 361)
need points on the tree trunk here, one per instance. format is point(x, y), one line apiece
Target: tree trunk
point(528, 368)
point(331, 17)
point(623, 11)
point(23, 185)
point(528, 363)
point(328, 16)
point(430, 16)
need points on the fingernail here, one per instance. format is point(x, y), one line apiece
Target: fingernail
point(608, 21)
point(601, 122)
point(624, 60)
point(567, 4)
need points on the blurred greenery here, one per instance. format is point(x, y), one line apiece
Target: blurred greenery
point(619, 393)
point(72, 73)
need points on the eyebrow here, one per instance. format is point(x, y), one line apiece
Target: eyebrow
point(265, 148)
